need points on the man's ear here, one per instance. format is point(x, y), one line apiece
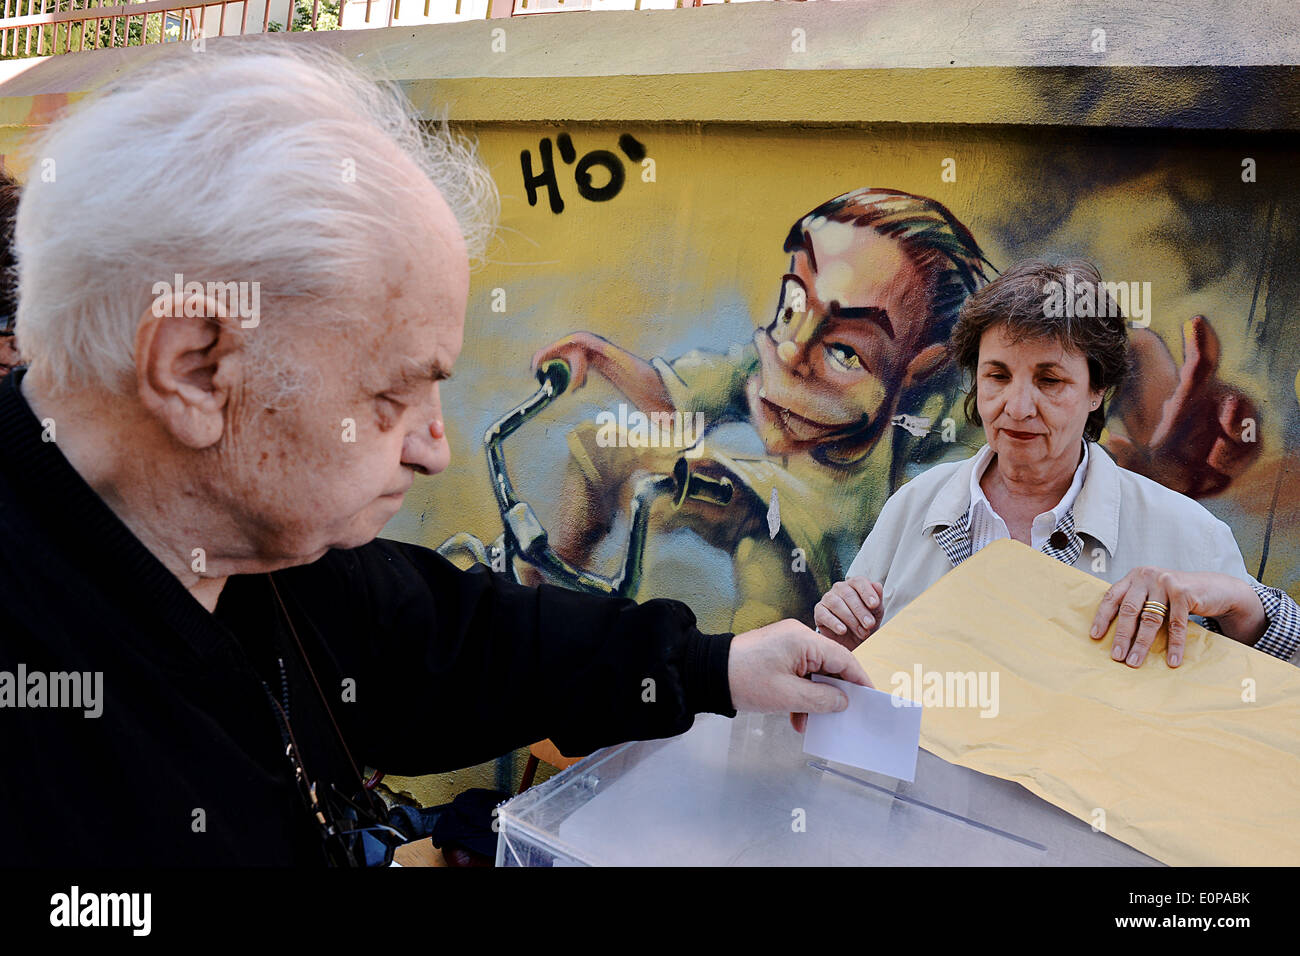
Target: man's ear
point(178, 355)
point(924, 364)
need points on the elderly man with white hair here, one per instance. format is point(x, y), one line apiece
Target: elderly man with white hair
point(234, 377)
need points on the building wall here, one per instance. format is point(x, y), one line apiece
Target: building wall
point(693, 261)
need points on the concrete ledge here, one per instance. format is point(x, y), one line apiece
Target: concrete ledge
point(1245, 98)
point(1167, 63)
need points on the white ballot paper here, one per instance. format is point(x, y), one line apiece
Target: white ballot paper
point(878, 732)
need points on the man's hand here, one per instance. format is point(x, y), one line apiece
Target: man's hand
point(1232, 602)
point(850, 611)
point(1187, 429)
point(769, 666)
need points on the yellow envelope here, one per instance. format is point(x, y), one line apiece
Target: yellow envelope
point(1194, 765)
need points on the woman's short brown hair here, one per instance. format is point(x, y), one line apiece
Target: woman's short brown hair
point(1027, 301)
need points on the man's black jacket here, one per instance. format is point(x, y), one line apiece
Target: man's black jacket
point(427, 668)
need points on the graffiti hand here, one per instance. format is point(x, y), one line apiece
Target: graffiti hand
point(576, 350)
point(1187, 429)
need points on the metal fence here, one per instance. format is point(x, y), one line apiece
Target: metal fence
point(44, 27)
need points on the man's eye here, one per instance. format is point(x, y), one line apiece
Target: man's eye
point(389, 410)
point(843, 357)
point(1050, 381)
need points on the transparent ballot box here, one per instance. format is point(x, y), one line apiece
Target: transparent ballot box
point(743, 793)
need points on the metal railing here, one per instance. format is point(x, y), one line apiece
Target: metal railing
point(44, 27)
point(41, 27)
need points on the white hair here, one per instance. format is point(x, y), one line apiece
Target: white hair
point(267, 162)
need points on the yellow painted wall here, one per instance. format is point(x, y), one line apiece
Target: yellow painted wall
point(694, 260)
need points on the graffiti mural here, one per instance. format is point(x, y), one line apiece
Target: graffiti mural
point(739, 356)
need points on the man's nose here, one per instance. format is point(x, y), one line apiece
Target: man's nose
point(427, 451)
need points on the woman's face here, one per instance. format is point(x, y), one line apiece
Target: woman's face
point(1034, 397)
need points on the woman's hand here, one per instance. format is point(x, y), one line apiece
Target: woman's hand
point(1231, 601)
point(850, 611)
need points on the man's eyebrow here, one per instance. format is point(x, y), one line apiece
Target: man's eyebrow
point(417, 373)
point(869, 312)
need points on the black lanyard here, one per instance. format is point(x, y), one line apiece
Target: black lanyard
point(339, 824)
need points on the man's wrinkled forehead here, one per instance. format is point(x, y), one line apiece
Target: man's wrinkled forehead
point(417, 309)
point(406, 357)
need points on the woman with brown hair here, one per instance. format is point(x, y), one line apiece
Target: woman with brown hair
point(1040, 375)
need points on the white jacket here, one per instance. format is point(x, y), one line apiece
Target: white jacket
point(1122, 520)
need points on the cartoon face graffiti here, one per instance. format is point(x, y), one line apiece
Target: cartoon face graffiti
point(852, 311)
point(875, 279)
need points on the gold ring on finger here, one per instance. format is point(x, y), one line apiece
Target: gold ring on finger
point(1160, 609)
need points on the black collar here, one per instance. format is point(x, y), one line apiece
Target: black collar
point(83, 530)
